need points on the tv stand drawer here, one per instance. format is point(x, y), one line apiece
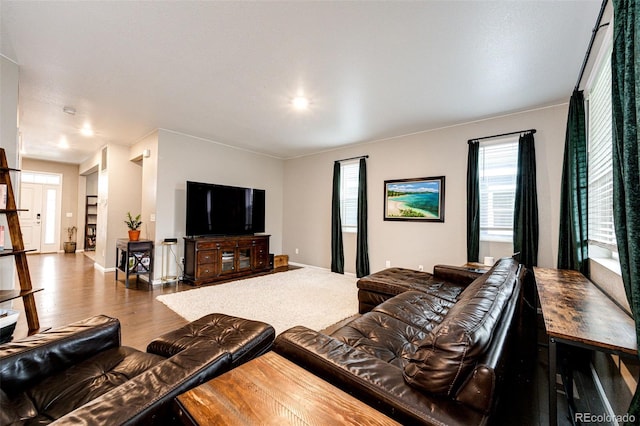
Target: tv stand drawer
point(207, 270)
point(207, 256)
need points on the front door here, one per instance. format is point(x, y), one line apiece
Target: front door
point(40, 222)
point(31, 218)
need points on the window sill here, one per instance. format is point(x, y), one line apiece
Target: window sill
point(497, 239)
point(608, 262)
point(349, 230)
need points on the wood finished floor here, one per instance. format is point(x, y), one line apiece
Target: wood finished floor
point(74, 290)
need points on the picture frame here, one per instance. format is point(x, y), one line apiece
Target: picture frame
point(417, 199)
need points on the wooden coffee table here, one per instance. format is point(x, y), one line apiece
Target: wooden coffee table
point(271, 390)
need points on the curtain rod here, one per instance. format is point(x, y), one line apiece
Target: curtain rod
point(532, 131)
point(594, 32)
point(352, 158)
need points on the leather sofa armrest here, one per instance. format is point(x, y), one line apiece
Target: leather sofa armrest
point(481, 385)
point(456, 274)
point(26, 361)
point(138, 400)
point(478, 390)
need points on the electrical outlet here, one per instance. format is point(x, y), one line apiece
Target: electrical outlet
point(182, 260)
point(387, 264)
point(297, 251)
point(420, 268)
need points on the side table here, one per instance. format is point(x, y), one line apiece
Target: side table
point(577, 313)
point(134, 258)
point(271, 390)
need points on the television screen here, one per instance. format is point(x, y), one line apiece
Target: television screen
point(224, 210)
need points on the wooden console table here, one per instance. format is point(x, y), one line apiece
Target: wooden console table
point(134, 258)
point(271, 390)
point(577, 313)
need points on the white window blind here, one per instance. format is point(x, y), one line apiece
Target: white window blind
point(349, 195)
point(600, 175)
point(497, 164)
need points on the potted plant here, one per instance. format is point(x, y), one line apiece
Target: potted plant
point(70, 245)
point(133, 223)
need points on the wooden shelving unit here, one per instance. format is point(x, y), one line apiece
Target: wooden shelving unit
point(90, 222)
point(18, 251)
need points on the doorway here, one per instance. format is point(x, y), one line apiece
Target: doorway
point(41, 199)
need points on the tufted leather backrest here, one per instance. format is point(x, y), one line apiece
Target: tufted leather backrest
point(25, 362)
point(446, 356)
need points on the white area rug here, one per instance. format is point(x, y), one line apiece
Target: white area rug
point(312, 297)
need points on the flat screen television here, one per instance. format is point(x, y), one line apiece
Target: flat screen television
point(224, 210)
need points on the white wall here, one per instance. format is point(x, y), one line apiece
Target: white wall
point(119, 191)
point(8, 141)
point(149, 188)
point(123, 195)
point(307, 188)
point(183, 157)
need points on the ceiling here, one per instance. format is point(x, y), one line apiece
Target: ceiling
point(227, 71)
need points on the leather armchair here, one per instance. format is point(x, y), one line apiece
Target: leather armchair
point(81, 374)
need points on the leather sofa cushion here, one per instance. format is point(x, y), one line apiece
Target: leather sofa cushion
point(67, 390)
point(447, 354)
point(381, 336)
point(243, 339)
point(393, 281)
point(8, 413)
point(392, 331)
point(416, 308)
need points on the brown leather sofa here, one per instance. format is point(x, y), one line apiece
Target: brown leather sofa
point(422, 357)
point(80, 374)
point(447, 282)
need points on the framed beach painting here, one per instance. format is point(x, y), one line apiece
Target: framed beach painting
point(419, 199)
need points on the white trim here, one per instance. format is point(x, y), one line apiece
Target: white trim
point(610, 263)
point(237, 148)
point(102, 269)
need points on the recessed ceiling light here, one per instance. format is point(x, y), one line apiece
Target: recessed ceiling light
point(63, 143)
point(300, 103)
point(87, 130)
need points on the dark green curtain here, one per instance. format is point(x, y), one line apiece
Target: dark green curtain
point(525, 214)
point(625, 74)
point(473, 202)
point(572, 247)
point(362, 251)
point(337, 251)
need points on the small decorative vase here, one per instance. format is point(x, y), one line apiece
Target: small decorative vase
point(134, 235)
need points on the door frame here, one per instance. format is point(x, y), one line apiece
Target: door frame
point(38, 180)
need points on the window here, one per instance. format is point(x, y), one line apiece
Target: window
point(349, 195)
point(600, 169)
point(41, 177)
point(498, 165)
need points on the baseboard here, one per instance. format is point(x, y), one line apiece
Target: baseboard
point(102, 268)
point(304, 265)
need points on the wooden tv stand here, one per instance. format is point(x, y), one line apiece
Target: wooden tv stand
point(210, 259)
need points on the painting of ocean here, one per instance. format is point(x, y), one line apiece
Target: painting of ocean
point(415, 199)
point(427, 202)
